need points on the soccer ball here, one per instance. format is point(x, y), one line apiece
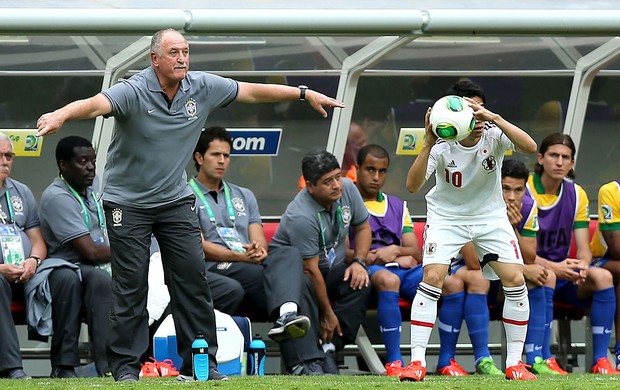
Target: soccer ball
point(452, 119)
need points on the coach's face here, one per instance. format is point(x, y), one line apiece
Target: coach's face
point(172, 60)
point(327, 189)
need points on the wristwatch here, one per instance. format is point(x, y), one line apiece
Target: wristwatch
point(302, 92)
point(360, 261)
point(37, 258)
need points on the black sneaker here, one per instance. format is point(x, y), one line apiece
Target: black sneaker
point(215, 375)
point(63, 372)
point(289, 326)
point(308, 368)
point(330, 364)
point(16, 373)
point(127, 378)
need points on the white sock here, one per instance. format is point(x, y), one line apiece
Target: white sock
point(328, 347)
point(423, 316)
point(515, 314)
point(288, 307)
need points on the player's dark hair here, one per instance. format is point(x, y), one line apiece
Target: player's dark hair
point(65, 149)
point(206, 136)
point(317, 163)
point(556, 139)
point(373, 149)
point(468, 89)
point(515, 169)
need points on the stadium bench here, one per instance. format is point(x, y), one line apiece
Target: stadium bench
point(566, 354)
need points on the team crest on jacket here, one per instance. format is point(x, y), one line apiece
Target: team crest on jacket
point(117, 217)
point(190, 108)
point(17, 204)
point(606, 209)
point(489, 163)
point(346, 215)
point(238, 205)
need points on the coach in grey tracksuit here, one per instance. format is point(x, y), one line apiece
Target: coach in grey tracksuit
point(159, 113)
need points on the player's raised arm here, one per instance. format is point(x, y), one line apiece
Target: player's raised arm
point(416, 177)
point(522, 140)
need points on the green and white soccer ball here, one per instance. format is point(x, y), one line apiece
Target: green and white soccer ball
point(452, 119)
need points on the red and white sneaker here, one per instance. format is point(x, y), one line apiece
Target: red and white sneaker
point(393, 368)
point(554, 366)
point(519, 372)
point(149, 370)
point(453, 369)
point(167, 368)
point(413, 372)
point(603, 366)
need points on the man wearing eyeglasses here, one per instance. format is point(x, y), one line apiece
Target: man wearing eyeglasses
point(22, 247)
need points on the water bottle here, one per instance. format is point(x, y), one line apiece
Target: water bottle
point(200, 358)
point(256, 357)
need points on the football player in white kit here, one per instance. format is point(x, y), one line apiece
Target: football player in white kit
point(465, 205)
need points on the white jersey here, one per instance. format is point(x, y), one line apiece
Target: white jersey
point(468, 180)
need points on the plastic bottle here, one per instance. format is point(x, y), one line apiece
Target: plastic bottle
point(200, 358)
point(256, 356)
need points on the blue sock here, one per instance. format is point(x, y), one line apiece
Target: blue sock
point(476, 314)
point(536, 324)
point(449, 324)
point(617, 353)
point(388, 314)
point(602, 319)
point(546, 347)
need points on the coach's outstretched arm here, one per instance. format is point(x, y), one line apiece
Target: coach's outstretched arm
point(80, 109)
point(265, 93)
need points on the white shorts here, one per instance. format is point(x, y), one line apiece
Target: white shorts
point(443, 242)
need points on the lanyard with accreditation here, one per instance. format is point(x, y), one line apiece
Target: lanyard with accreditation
point(105, 266)
point(10, 240)
point(229, 235)
point(331, 255)
point(85, 211)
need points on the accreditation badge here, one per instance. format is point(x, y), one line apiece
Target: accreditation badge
point(331, 256)
point(11, 244)
point(231, 237)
